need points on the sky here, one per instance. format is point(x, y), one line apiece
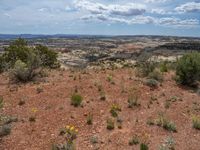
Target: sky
point(101, 17)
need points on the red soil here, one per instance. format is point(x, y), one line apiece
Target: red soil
point(55, 112)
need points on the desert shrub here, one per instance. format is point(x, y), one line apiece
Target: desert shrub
point(1, 64)
point(145, 65)
point(151, 83)
point(20, 71)
point(169, 125)
point(133, 101)
point(18, 50)
point(188, 69)
point(110, 124)
point(167, 104)
point(150, 122)
point(76, 100)
point(47, 56)
point(5, 130)
point(25, 62)
point(110, 79)
point(89, 119)
point(32, 119)
point(21, 102)
point(144, 146)
point(114, 110)
point(119, 122)
point(70, 133)
point(169, 144)
point(145, 68)
point(196, 122)
point(18, 55)
point(165, 123)
point(94, 139)
point(156, 75)
point(1, 102)
point(102, 96)
point(8, 119)
point(163, 66)
point(62, 147)
point(26, 71)
point(134, 140)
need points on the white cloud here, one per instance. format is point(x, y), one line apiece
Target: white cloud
point(95, 8)
point(169, 22)
point(129, 9)
point(143, 20)
point(131, 13)
point(188, 7)
point(177, 22)
point(156, 1)
point(160, 11)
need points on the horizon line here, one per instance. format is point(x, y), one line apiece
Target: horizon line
point(102, 35)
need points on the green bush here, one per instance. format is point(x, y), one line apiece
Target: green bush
point(196, 122)
point(20, 71)
point(89, 119)
point(164, 66)
point(1, 102)
point(19, 50)
point(114, 110)
point(188, 69)
point(26, 71)
point(133, 101)
point(144, 146)
point(169, 144)
point(47, 56)
point(134, 140)
point(110, 124)
point(145, 65)
point(1, 64)
point(26, 62)
point(156, 75)
point(169, 125)
point(152, 83)
point(162, 121)
point(76, 100)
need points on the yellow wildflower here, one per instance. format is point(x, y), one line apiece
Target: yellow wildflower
point(72, 128)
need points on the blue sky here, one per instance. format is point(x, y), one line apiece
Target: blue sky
point(102, 17)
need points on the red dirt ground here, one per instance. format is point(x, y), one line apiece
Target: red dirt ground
point(55, 112)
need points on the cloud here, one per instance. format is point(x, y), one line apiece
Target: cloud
point(95, 8)
point(177, 22)
point(188, 7)
point(156, 1)
point(7, 15)
point(129, 9)
point(160, 11)
point(42, 9)
point(168, 22)
point(143, 20)
point(53, 16)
